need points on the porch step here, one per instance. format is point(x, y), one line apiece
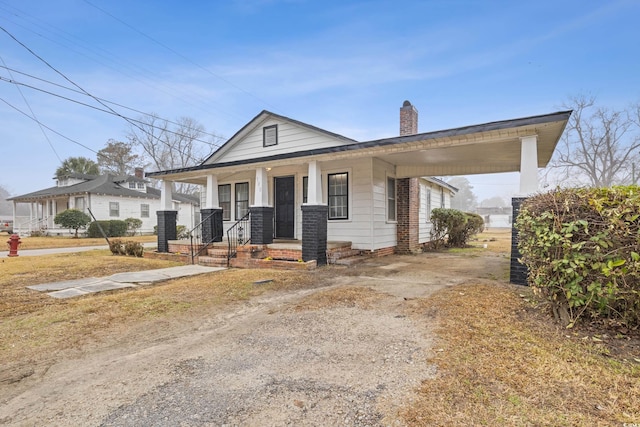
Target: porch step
point(212, 261)
point(218, 252)
point(336, 254)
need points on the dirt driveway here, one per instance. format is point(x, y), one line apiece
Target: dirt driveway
point(349, 351)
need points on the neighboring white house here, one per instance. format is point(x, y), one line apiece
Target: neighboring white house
point(106, 196)
point(306, 183)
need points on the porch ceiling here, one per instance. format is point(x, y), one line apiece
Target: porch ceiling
point(489, 148)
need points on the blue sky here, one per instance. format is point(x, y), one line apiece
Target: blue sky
point(345, 66)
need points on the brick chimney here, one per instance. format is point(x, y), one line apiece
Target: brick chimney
point(139, 173)
point(408, 119)
point(408, 193)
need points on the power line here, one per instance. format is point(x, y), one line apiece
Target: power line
point(92, 96)
point(175, 52)
point(110, 57)
point(33, 114)
point(13, 81)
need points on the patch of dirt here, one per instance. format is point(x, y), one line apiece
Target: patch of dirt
point(344, 350)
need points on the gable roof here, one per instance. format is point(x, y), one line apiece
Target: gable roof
point(256, 121)
point(101, 184)
point(501, 136)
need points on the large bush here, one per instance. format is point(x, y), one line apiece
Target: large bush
point(112, 228)
point(72, 219)
point(456, 226)
point(582, 250)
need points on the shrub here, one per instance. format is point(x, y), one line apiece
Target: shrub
point(134, 249)
point(456, 226)
point(117, 247)
point(133, 224)
point(72, 219)
point(581, 248)
point(112, 228)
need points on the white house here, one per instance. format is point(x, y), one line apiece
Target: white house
point(106, 196)
point(301, 182)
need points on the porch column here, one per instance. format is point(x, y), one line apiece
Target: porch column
point(314, 219)
point(528, 185)
point(167, 218)
point(261, 212)
point(211, 214)
point(528, 165)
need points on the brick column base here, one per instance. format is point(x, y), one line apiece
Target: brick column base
point(261, 225)
point(212, 229)
point(518, 271)
point(167, 229)
point(314, 233)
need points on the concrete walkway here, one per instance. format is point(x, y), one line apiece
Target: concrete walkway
point(78, 287)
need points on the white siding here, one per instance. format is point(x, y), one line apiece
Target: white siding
point(130, 207)
point(291, 138)
point(384, 232)
point(437, 192)
point(357, 228)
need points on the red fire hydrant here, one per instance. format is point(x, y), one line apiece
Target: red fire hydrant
point(13, 243)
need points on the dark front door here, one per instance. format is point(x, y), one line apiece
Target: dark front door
point(285, 207)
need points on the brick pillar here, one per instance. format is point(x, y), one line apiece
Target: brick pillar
point(518, 271)
point(408, 198)
point(314, 233)
point(261, 225)
point(212, 229)
point(167, 229)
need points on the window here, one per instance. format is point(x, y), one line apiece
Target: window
point(144, 211)
point(338, 195)
point(442, 197)
point(141, 186)
point(114, 209)
point(305, 189)
point(428, 204)
point(270, 136)
point(224, 201)
point(132, 185)
point(242, 199)
point(391, 199)
point(79, 204)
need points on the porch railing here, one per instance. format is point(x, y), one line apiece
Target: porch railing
point(34, 224)
point(238, 235)
point(198, 245)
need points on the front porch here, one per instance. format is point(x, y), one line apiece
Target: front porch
point(283, 254)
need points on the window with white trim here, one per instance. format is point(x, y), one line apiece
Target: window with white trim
point(442, 197)
point(144, 210)
point(242, 199)
point(391, 199)
point(305, 189)
point(428, 204)
point(338, 195)
point(114, 209)
point(224, 201)
point(132, 185)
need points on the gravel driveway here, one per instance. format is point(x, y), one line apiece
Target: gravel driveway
point(347, 352)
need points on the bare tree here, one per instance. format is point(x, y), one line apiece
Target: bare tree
point(599, 146)
point(117, 157)
point(171, 145)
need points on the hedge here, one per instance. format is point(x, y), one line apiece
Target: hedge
point(112, 228)
point(582, 250)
